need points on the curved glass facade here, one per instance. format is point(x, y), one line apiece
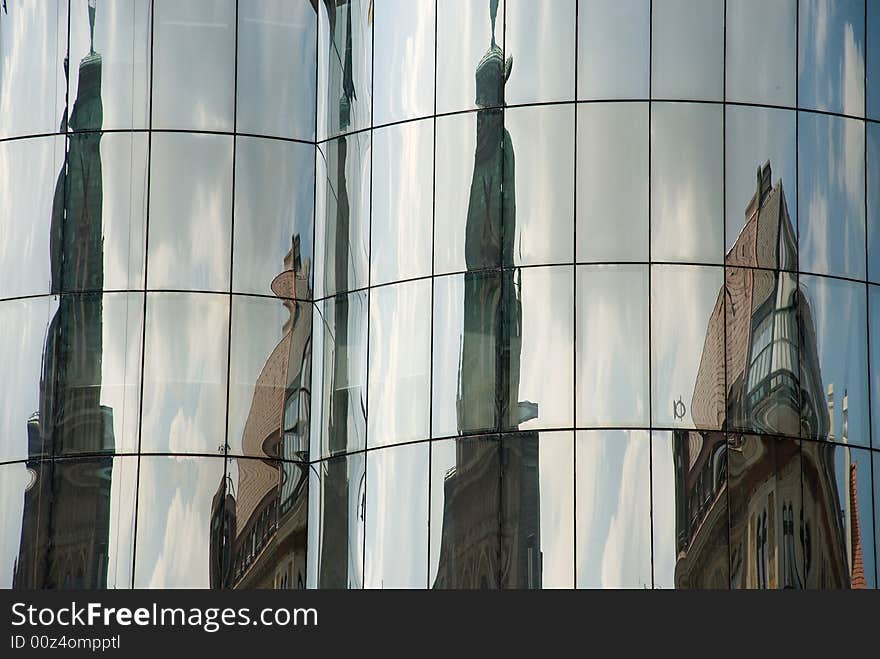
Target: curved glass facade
point(440, 293)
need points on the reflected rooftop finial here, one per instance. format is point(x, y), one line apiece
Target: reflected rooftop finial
point(93, 7)
point(493, 12)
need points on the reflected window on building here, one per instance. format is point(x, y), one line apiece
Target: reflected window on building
point(690, 509)
point(199, 95)
point(613, 509)
point(687, 346)
point(831, 56)
point(873, 164)
point(612, 346)
point(761, 45)
point(396, 543)
point(686, 182)
point(276, 56)
point(540, 36)
point(831, 190)
point(687, 61)
point(185, 373)
point(613, 49)
point(402, 198)
point(612, 182)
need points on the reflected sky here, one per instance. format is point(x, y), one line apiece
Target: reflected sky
point(873, 164)
point(874, 366)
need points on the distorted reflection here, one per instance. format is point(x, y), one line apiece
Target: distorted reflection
point(337, 502)
point(872, 57)
point(874, 365)
point(872, 162)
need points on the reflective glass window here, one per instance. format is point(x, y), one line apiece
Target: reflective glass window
point(110, 45)
point(24, 327)
point(689, 504)
point(345, 60)
point(270, 367)
point(763, 336)
point(873, 164)
point(874, 366)
point(274, 201)
point(613, 509)
point(766, 547)
point(342, 215)
point(537, 510)
point(872, 57)
point(539, 35)
point(194, 60)
point(465, 514)
point(16, 482)
point(33, 47)
point(837, 500)
point(400, 355)
point(537, 185)
point(404, 59)
point(761, 45)
point(834, 360)
point(337, 505)
point(687, 346)
point(190, 211)
point(403, 193)
point(470, 49)
point(687, 61)
point(31, 204)
point(831, 190)
point(612, 182)
point(613, 41)
point(339, 386)
point(184, 522)
point(831, 56)
point(612, 346)
point(761, 187)
point(185, 373)
point(396, 542)
point(276, 59)
point(687, 202)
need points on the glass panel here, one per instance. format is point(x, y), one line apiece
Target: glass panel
point(831, 56)
point(336, 523)
point(538, 190)
point(26, 398)
point(874, 366)
point(400, 355)
point(689, 507)
point(185, 373)
point(873, 60)
point(837, 517)
point(470, 43)
point(761, 207)
point(766, 546)
point(403, 192)
point(761, 45)
point(613, 42)
point(267, 507)
point(688, 49)
point(834, 360)
point(16, 487)
point(31, 211)
point(831, 187)
point(763, 333)
point(190, 211)
point(342, 215)
point(467, 225)
point(540, 36)
point(465, 513)
point(274, 204)
point(111, 42)
point(184, 523)
point(686, 182)
point(873, 164)
point(199, 95)
point(396, 553)
point(404, 60)
point(33, 48)
point(270, 361)
point(340, 381)
point(277, 43)
point(687, 346)
point(612, 182)
point(537, 510)
point(613, 509)
point(612, 346)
